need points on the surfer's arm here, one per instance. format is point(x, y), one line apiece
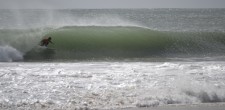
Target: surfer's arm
point(51, 42)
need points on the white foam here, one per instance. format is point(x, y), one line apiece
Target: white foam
point(106, 85)
point(8, 54)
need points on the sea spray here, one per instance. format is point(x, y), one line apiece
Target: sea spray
point(9, 54)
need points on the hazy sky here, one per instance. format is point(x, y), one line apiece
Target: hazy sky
point(49, 4)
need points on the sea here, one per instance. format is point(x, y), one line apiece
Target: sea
point(111, 58)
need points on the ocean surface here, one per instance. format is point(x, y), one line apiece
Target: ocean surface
point(111, 58)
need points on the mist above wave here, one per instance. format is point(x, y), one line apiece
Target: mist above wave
point(17, 19)
point(196, 20)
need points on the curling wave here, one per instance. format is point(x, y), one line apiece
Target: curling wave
point(94, 42)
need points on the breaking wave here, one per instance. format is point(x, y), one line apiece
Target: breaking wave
point(110, 42)
point(119, 42)
point(9, 54)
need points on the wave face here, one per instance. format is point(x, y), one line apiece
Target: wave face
point(115, 42)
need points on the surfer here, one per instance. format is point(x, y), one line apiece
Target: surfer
point(46, 41)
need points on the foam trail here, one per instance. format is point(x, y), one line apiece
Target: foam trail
point(9, 54)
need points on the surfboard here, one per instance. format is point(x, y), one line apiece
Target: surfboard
point(44, 47)
point(39, 49)
point(49, 48)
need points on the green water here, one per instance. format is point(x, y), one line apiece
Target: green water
point(93, 42)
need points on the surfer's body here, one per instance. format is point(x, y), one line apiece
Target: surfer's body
point(45, 42)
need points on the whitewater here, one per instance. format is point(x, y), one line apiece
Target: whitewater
point(111, 58)
point(110, 85)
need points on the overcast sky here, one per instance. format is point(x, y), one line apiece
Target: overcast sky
point(90, 4)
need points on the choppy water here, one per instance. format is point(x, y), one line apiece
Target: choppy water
point(104, 85)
